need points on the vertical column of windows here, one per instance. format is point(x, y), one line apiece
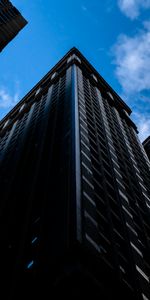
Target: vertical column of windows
point(131, 154)
point(89, 206)
point(113, 155)
point(141, 158)
point(132, 187)
point(4, 141)
point(141, 148)
point(124, 268)
point(136, 247)
point(126, 168)
point(101, 173)
point(9, 183)
point(11, 145)
point(38, 126)
point(143, 175)
point(102, 176)
point(144, 238)
point(136, 163)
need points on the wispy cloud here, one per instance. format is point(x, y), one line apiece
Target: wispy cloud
point(132, 8)
point(131, 56)
point(143, 124)
point(132, 60)
point(89, 13)
point(84, 8)
point(147, 24)
point(8, 100)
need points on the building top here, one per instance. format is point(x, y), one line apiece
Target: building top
point(147, 141)
point(74, 56)
point(146, 145)
point(11, 22)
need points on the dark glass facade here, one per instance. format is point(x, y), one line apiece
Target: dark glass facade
point(11, 22)
point(146, 145)
point(75, 191)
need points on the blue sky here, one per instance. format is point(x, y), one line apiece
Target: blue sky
point(114, 35)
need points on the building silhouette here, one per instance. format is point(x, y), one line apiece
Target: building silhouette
point(146, 145)
point(11, 22)
point(75, 192)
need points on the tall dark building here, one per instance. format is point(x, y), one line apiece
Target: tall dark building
point(146, 145)
point(75, 191)
point(11, 22)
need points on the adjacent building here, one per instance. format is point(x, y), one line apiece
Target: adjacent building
point(11, 22)
point(75, 191)
point(146, 145)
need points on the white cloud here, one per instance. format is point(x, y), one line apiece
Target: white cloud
point(132, 69)
point(6, 99)
point(132, 60)
point(132, 8)
point(143, 125)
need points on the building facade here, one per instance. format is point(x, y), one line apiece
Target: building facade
point(75, 191)
point(11, 22)
point(146, 145)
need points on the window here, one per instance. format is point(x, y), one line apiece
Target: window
point(94, 77)
point(125, 112)
point(74, 57)
point(86, 214)
point(131, 228)
point(110, 95)
point(22, 107)
point(30, 264)
point(89, 198)
point(144, 297)
point(88, 182)
point(136, 249)
point(146, 196)
point(88, 171)
point(142, 273)
point(85, 145)
point(38, 91)
point(92, 242)
point(53, 76)
point(122, 269)
point(34, 240)
point(117, 165)
point(118, 181)
point(123, 196)
point(129, 214)
point(6, 123)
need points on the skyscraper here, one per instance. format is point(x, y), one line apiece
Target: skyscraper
point(75, 192)
point(11, 22)
point(146, 145)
